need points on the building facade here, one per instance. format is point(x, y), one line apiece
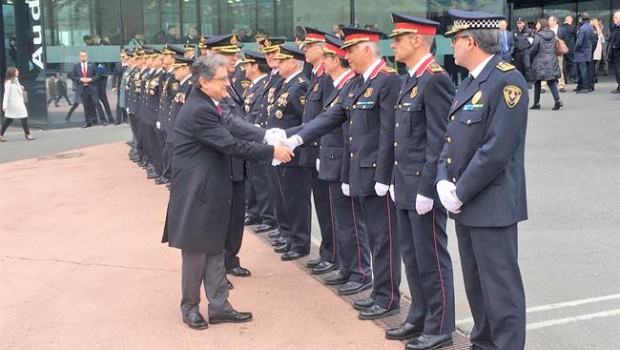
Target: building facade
point(44, 37)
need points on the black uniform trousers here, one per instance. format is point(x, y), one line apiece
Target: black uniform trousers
point(133, 124)
point(235, 225)
point(320, 194)
point(379, 216)
point(295, 187)
point(160, 136)
point(277, 200)
point(153, 147)
point(251, 204)
point(258, 182)
point(493, 286)
point(351, 236)
point(428, 267)
point(523, 64)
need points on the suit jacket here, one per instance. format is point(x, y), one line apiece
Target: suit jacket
point(613, 47)
point(319, 88)
point(91, 72)
point(484, 150)
point(510, 43)
point(201, 189)
point(420, 125)
point(287, 108)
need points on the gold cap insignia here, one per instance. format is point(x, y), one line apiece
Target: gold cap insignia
point(233, 40)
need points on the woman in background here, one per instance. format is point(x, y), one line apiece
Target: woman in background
point(13, 103)
point(597, 55)
point(545, 65)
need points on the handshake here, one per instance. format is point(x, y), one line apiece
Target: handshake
point(283, 146)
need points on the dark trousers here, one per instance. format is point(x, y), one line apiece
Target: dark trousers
point(102, 85)
point(616, 65)
point(351, 235)
point(258, 181)
point(523, 64)
point(584, 81)
point(235, 225)
point(493, 286)
point(168, 167)
point(424, 247)
point(251, 204)
point(553, 87)
point(295, 187)
point(8, 121)
point(133, 124)
point(199, 268)
point(154, 150)
point(570, 70)
point(61, 95)
point(277, 199)
point(325, 217)
point(379, 216)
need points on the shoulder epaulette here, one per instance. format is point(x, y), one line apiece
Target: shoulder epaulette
point(389, 70)
point(435, 68)
point(504, 66)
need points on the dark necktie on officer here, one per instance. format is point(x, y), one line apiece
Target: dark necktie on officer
point(219, 109)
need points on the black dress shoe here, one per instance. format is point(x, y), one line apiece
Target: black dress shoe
point(117, 123)
point(535, 106)
point(86, 126)
point(375, 312)
point(279, 241)
point(264, 228)
point(324, 267)
point(584, 91)
point(230, 285)
point(104, 123)
point(291, 255)
point(557, 105)
point(312, 263)
point(353, 287)
point(336, 279)
point(152, 175)
point(251, 221)
point(231, 316)
point(194, 320)
point(162, 180)
point(282, 248)
point(427, 341)
point(363, 304)
point(239, 271)
point(274, 234)
point(405, 331)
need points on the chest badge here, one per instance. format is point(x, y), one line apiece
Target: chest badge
point(477, 97)
point(414, 92)
point(335, 101)
point(279, 114)
point(368, 92)
point(512, 95)
point(316, 87)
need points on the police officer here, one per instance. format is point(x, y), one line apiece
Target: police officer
point(481, 180)
point(523, 40)
point(367, 165)
point(319, 88)
point(420, 125)
point(147, 117)
point(294, 179)
point(133, 107)
point(181, 89)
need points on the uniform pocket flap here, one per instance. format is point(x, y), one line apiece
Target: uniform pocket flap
point(470, 117)
point(368, 163)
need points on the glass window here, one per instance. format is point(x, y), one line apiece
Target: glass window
point(189, 21)
point(376, 14)
point(171, 20)
point(332, 13)
point(599, 10)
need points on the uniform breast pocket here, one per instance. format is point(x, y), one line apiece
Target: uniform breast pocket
point(370, 116)
point(471, 119)
point(314, 97)
point(416, 116)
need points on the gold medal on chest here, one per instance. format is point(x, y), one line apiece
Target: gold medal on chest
point(279, 114)
point(477, 97)
point(368, 92)
point(316, 87)
point(414, 92)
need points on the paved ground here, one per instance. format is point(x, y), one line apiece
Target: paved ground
point(90, 265)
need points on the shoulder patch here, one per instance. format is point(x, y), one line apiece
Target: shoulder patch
point(435, 68)
point(389, 70)
point(504, 66)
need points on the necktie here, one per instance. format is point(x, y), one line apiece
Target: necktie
point(84, 70)
point(219, 109)
point(504, 41)
point(465, 83)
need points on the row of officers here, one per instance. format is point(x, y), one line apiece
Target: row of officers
point(385, 157)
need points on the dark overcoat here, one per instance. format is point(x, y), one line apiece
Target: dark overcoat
point(545, 64)
point(201, 188)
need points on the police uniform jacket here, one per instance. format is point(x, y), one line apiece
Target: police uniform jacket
point(419, 132)
point(522, 45)
point(266, 100)
point(142, 98)
point(201, 191)
point(319, 88)
point(122, 88)
point(180, 96)
point(129, 89)
point(484, 150)
point(288, 107)
point(152, 89)
point(251, 100)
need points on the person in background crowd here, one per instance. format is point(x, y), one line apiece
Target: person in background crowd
point(597, 55)
point(507, 41)
point(137, 40)
point(613, 50)
point(191, 37)
point(88, 40)
point(13, 50)
point(554, 26)
point(523, 41)
point(52, 89)
point(545, 65)
point(85, 77)
point(13, 104)
point(584, 45)
point(61, 83)
point(568, 34)
point(172, 36)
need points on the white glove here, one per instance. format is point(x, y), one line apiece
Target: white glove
point(275, 135)
point(423, 204)
point(447, 196)
point(158, 125)
point(381, 189)
point(392, 195)
point(345, 190)
point(293, 142)
point(318, 165)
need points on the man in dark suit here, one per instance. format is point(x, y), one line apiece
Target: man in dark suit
point(614, 49)
point(481, 180)
point(506, 41)
point(584, 44)
point(200, 204)
point(421, 109)
point(85, 77)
